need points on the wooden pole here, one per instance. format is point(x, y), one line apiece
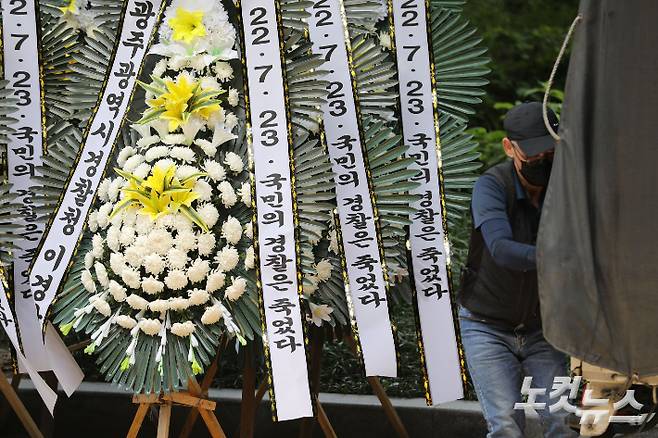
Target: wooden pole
point(316, 336)
point(390, 411)
point(138, 420)
point(248, 405)
point(324, 422)
point(20, 409)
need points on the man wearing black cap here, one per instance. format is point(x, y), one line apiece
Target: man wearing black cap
point(499, 314)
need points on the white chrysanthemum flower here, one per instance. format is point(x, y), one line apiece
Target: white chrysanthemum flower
point(198, 270)
point(143, 224)
point(181, 223)
point(164, 163)
point(92, 222)
point(152, 286)
point(250, 258)
point(115, 189)
point(229, 198)
point(320, 313)
point(132, 163)
point(142, 242)
point(207, 147)
point(198, 297)
point(233, 96)
point(230, 121)
point(204, 190)
point(234, 162)
point(206, 243)
point(126, 322)
point(186, 240)
point(97, 245)
point(124, 154)
point(215, 281)
point(208, 214)
point(177, 258)
point(232, 230)
point(88, 281)
point(185, 171)
point(249, 230)
point(156, 152)
point(211, 315)
point(142, 171)
point(182, 329)
point(103, 187)
point(137, 302)
point(214, 170)
point(177, 62)
point(103, 215)
point(117, 291)
point(176, 279)
point(184, 154)
point(210, 83)
point(153, 264)
point(112, 238)
point(323, 269)
point(160, 241)
point(129, 217)
point(101, 274)
point(179, 304)
point(159, 306)
point(223, 71)
point(134, 256)
point(236, 289)
point(166, 221)
point(127, 235)
point(150, 326)
point(101, 306)
point(385, 40)
point(200, 62)
point(160, 67)
point(173, 139)
point(117, 263)
point(89, 260)
point(147, 141)
point(131, 278)
point(227, 259)
point(245, 194)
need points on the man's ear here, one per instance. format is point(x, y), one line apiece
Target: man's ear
point(508, 147)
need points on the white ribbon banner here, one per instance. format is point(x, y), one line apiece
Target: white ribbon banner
point(275, 218)
point(24, 156)
point(429, 248)
point(65, 230)
point(367, 287)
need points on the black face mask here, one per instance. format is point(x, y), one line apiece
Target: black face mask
point(537, 172)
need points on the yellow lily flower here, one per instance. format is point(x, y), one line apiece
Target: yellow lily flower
point(187, 25)
point(72, 8)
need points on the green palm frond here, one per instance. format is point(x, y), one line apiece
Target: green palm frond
point(9, 208)
point(363, 15)
point(460, 62)
point(294, 14)
point(376, 77)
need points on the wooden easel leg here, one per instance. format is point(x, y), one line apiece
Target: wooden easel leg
point(137, 421)
point(5, 408)
point(212, 424)
point(324, 422)
point(317, 344)
point(248, 406)
point(389, 410)
point(201, 391)
point(18, 407)
point(262, 389)
point(164, 420)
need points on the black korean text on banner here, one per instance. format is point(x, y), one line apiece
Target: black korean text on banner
point(65, 229)
point(24, 156)
point(277, 256)
point(365, 271)
point(429, 246)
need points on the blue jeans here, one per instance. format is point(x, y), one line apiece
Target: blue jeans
point(498, 360)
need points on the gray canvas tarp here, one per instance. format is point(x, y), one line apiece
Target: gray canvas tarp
point(598, 241)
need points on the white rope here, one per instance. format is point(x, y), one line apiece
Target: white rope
point(567, 38)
